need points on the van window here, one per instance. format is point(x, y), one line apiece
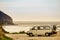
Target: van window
point(47, 27)
point(40, 28)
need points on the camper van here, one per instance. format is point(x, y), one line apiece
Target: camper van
point(42, 30)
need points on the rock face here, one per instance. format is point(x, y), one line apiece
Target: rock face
point(5, 19)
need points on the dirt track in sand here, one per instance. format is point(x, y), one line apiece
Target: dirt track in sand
point(26, 37)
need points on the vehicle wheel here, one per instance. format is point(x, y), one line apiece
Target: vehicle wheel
point(47, 34)
point(30, 34)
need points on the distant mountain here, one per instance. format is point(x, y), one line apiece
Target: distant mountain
point(5, 19)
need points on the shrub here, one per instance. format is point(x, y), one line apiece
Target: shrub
point(22, 32)
point(5, 38)
point(15, 33)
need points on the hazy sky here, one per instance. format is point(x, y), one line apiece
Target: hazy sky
point(32, 10)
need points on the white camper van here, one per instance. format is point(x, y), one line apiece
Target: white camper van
point(42, 30)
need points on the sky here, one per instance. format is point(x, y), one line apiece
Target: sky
point(31, 10)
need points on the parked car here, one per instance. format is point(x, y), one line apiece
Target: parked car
point(42, 30)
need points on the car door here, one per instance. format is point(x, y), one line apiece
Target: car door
point(40, 30)
point(34, 30)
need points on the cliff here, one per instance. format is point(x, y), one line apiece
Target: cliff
point(5, 19)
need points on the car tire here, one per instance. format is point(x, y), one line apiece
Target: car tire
point(30, 34)
point(47, 34)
